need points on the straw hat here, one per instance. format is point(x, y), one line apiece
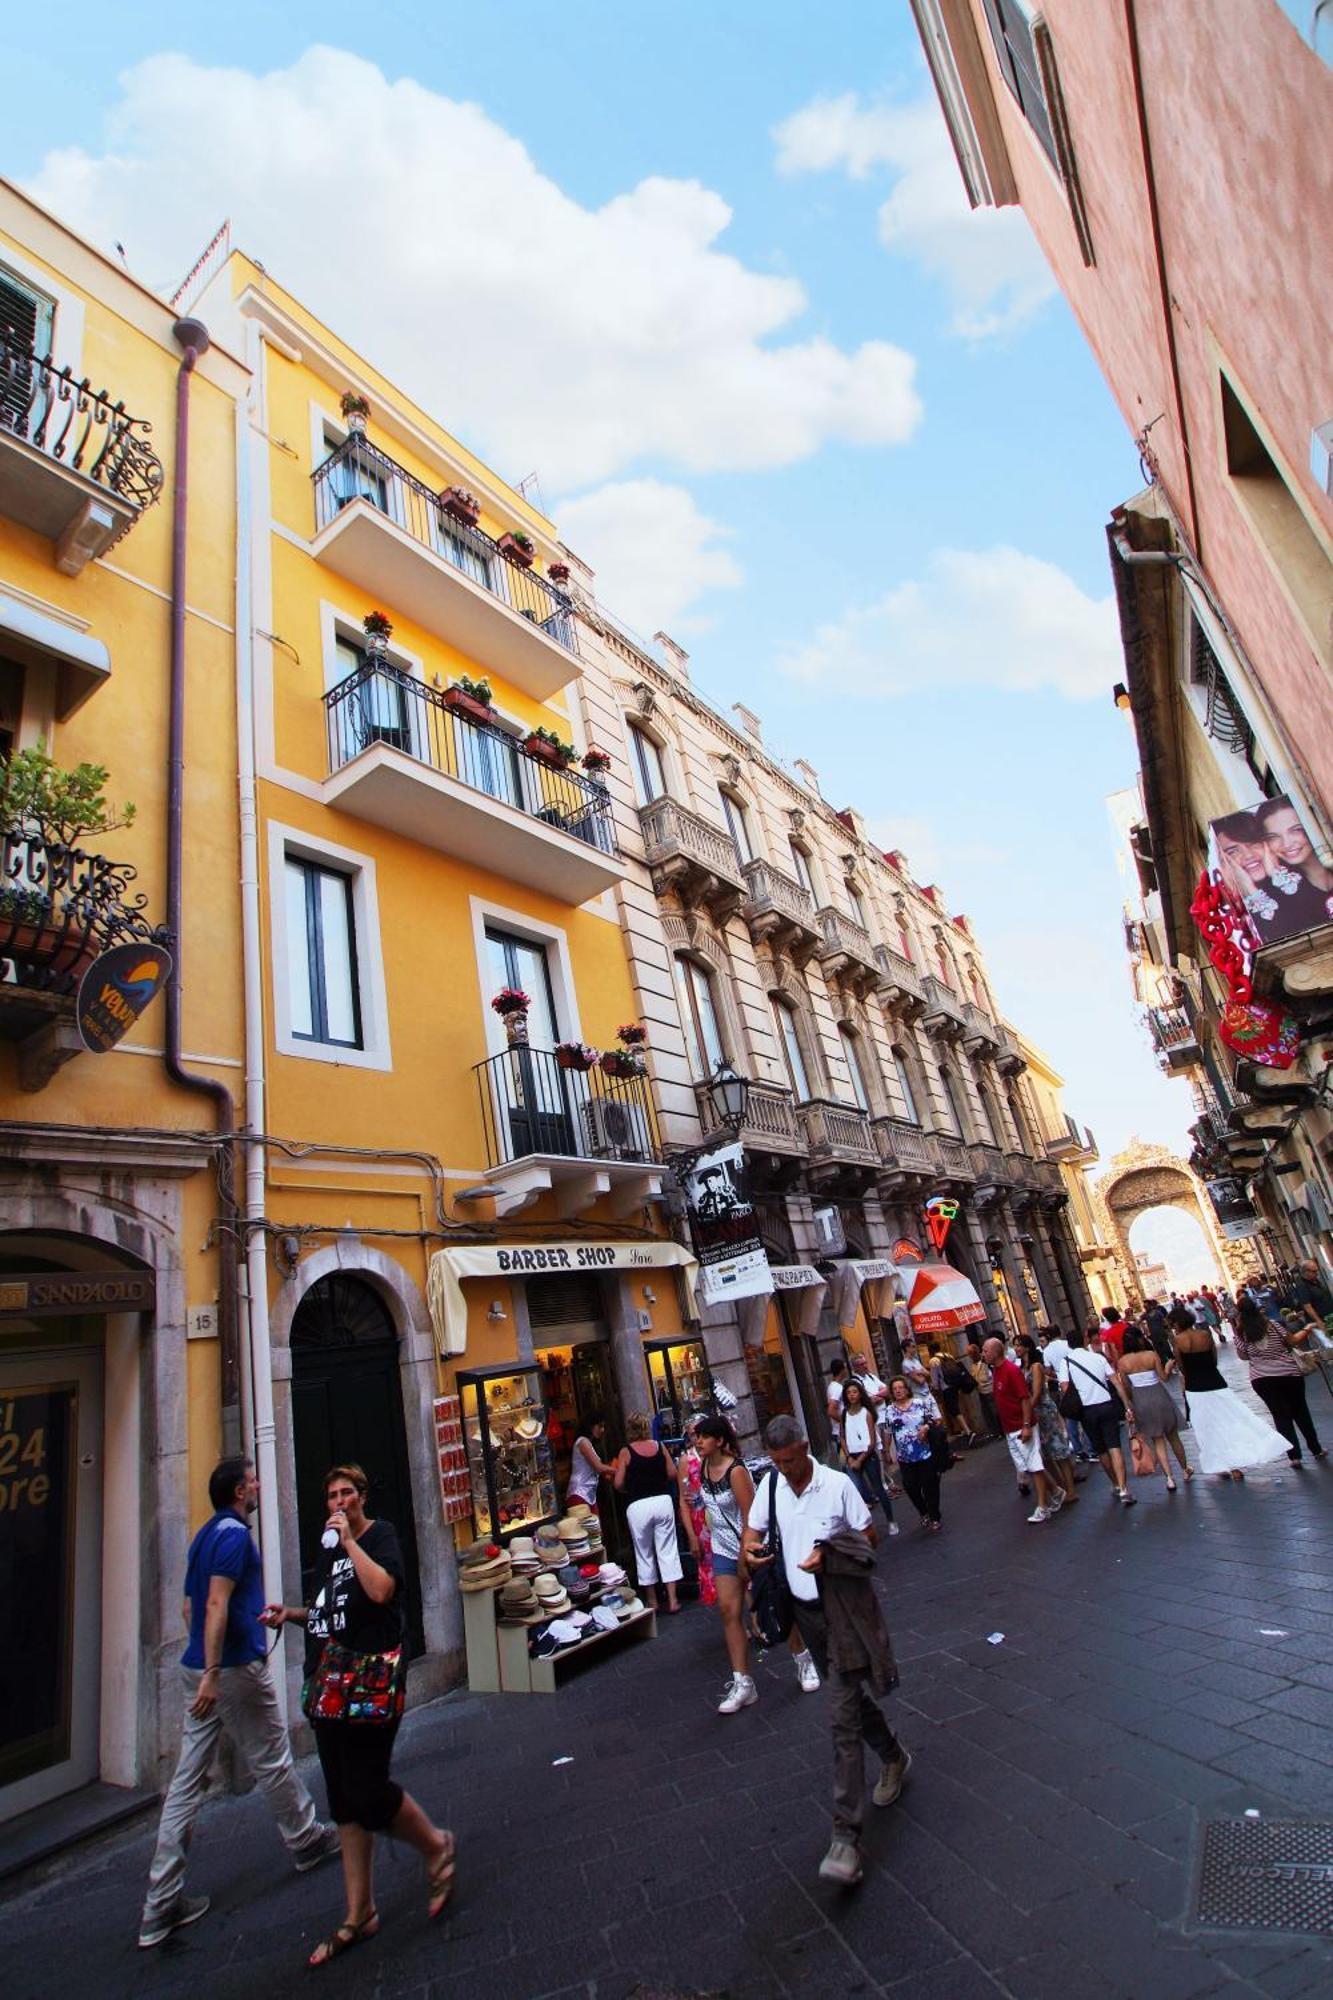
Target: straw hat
point(572, 1528)
point(528, 1429)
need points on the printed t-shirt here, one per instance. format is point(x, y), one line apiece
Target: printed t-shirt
point(342, 1611)
point(224, 1546)
point(828, 1503)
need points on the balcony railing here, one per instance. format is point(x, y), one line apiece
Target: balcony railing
point(900, 980)
point(1022, 1170)
point(531, 1105)
point(989, 1162)
point(1011, 1059)
point(1174, 1036)
point(59, 908)
point(838, 1131)
point(691, 855)
point(847, 950)
point(383, 704)
point(954, 1158)
point(904, 1147)
point(359, 470)
point(771, 1124)
point(776, 903)
point(943, 1013)
point(75, 424)
point(979, 1027)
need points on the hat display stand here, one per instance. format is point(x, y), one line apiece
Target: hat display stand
point(500, 1659)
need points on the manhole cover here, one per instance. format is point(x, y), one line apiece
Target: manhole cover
point(1268, 1875)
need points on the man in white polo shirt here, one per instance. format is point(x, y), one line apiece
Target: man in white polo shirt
point(814, 1504)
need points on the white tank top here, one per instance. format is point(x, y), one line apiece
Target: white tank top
point(582, 1476)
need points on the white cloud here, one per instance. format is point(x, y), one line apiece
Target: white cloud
point(987, 258)
point(576, 339)
point(931, 849)
point(992, 618)
point(654, 553)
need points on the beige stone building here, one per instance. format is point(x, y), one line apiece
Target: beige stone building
point(766, 929)
point(1108, 1280)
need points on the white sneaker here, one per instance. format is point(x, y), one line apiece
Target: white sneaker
point(807, 1673)
point(1040, 1514)
point(1057, 1500)
point(741, 1693)
point(894, 1529)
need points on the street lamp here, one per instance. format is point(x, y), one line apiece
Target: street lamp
point(724, 1101)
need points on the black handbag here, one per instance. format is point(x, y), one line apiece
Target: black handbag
point(772, 1612)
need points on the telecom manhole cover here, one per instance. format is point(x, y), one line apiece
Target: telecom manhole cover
point(1267, 1875)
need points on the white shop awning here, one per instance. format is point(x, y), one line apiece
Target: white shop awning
point(880, 1274)
point(448, 1268)
point(807, 1292)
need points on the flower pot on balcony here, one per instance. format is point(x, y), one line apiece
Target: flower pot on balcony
point(460, 505)
point(557, 572)
point(467, 705)
point(52, 947)
point(620, 1063)
point(514, 551)
point(546, 753)
point(569, 1057)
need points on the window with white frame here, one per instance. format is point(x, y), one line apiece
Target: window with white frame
point(27, 321)
point(323, 994)
point(738, 826)
point(378, 707)
point(851, 1050)
point(700, 1017)
point(645, 761)
point(789, 1040)
point(356, 475)
point(902, 1064)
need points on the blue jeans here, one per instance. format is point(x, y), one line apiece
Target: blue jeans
point(868, 1479)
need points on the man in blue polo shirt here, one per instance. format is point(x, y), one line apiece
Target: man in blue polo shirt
point(227, 1686)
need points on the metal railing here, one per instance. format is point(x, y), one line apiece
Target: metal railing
point(1171, 1029)
point(837, 1129)
point(381, 703)
point(904, 1146)
point(669, 828)
point(359, 470)
point(531, 1104)
point(60, 907)
point(771, 890)
point(845, 939)
point(75, 424)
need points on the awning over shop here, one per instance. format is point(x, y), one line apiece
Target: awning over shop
point(448, 1268)
point(942, 1300)
point(880, 1273)
point(806, 1292)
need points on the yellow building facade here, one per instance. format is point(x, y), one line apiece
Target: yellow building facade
point(118, 1320)
point(1108, 1279)
point(457, 1256)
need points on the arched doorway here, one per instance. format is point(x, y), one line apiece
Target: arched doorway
point(1152, 1177)
point(347, 1405)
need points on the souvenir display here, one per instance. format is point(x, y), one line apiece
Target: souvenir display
point(512, 1483)
point(681, 1381)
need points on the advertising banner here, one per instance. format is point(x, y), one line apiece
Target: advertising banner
point(724, 1229)
point(1265, 863)
point(1235, 1212)
point(115, 989)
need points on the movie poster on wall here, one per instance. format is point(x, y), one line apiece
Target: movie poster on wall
point(1235, 1212)
point(724, 1229)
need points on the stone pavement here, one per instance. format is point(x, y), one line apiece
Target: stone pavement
point(1160, 1667)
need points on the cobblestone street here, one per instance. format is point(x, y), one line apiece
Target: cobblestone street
point(1160, 1668)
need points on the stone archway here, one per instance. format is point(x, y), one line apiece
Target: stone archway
point(1142, 1177)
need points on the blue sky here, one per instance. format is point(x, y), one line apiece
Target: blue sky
point(785, 394)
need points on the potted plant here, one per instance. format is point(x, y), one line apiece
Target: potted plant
point(470, 698)
point(45, 812)
point(548, 748)
point(355, 411)
point(576, 1055)
point(377, 628)
point(518, 547)
point(511, 1003)
point(627, 1060)
point(633, 1034)
point(460, 505)
point(558, 572)
point(596, 762)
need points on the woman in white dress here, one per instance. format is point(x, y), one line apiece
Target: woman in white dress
point(1229, 1435)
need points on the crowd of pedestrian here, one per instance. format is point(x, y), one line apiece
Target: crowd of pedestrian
point(787, 1557)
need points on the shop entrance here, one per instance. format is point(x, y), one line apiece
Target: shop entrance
point(802, 1353)
point(771, 1381)
point(51, 1468)
point(347, 1407)
point(572, 1346)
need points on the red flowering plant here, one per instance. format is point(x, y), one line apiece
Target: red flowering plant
point(596, 760)
point(633, 1034)
point(511, 1000)
point(376, 625)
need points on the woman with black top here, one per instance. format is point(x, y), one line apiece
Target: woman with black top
point(357, 1606)
point(646, 1474)
point(1229, 1435)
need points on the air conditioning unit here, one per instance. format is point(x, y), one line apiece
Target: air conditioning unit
point(614, 1130)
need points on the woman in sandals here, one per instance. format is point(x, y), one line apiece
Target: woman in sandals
point(355, 1618)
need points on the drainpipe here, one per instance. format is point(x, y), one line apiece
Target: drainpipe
point(193, 338)
point(256, 1261)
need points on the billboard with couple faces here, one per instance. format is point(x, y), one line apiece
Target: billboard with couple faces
point(1266, 862)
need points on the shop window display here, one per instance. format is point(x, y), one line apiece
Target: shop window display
point(681, 1382)
point(508, 1450)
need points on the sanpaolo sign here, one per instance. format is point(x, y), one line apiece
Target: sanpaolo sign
point(115, 989)
point(39, 1292)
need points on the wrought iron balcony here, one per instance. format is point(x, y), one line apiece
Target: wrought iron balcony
point(943, 1015)
point(59, 908)
point(771, 1122)
point(779, 910)
point(577, 1134)
point(838, 1132)
point(400, 756)
point(1174, 1037)
point(904, 1149)
point(75, 466)
point(900, 982)
point(847, 951)
point(691, 856)
point(382, 528)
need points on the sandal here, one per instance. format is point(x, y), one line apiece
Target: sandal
point(440, 1879)
point(343, 1939)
